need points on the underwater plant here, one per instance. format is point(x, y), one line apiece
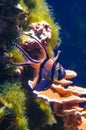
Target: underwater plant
point(14, 112)
point(12, 108)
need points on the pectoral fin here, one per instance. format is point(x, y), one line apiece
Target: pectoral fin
point(43, 85)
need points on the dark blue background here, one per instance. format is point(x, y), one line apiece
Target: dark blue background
point(71, 16)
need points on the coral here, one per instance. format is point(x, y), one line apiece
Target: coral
point(42, 31)
point(38, 14)
point(67, 102)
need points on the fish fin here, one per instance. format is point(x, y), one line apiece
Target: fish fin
point(39, 43)
point(25, 53)
point(28, 63)
point(57, 56)
point(18, 64)
point(43, 85)
point(32, 83)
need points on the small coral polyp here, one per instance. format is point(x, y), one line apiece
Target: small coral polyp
point(41, 30)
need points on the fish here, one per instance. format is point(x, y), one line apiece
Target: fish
point(48, 70)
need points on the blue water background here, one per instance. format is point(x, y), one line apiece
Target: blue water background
point(71, 16)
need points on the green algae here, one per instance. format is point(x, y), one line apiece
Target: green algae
point(39, 11)
point(13, 97)
point(45, 107)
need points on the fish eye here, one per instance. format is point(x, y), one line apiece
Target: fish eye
point(59, 72)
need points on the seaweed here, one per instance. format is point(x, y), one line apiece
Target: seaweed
point(15, 97)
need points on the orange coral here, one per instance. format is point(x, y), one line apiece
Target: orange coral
point(66, 102)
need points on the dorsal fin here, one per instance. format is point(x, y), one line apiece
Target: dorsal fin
point(39, 43)
point(57, 56)
point(25, 53)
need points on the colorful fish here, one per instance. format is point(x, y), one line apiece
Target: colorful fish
point(48, 70)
